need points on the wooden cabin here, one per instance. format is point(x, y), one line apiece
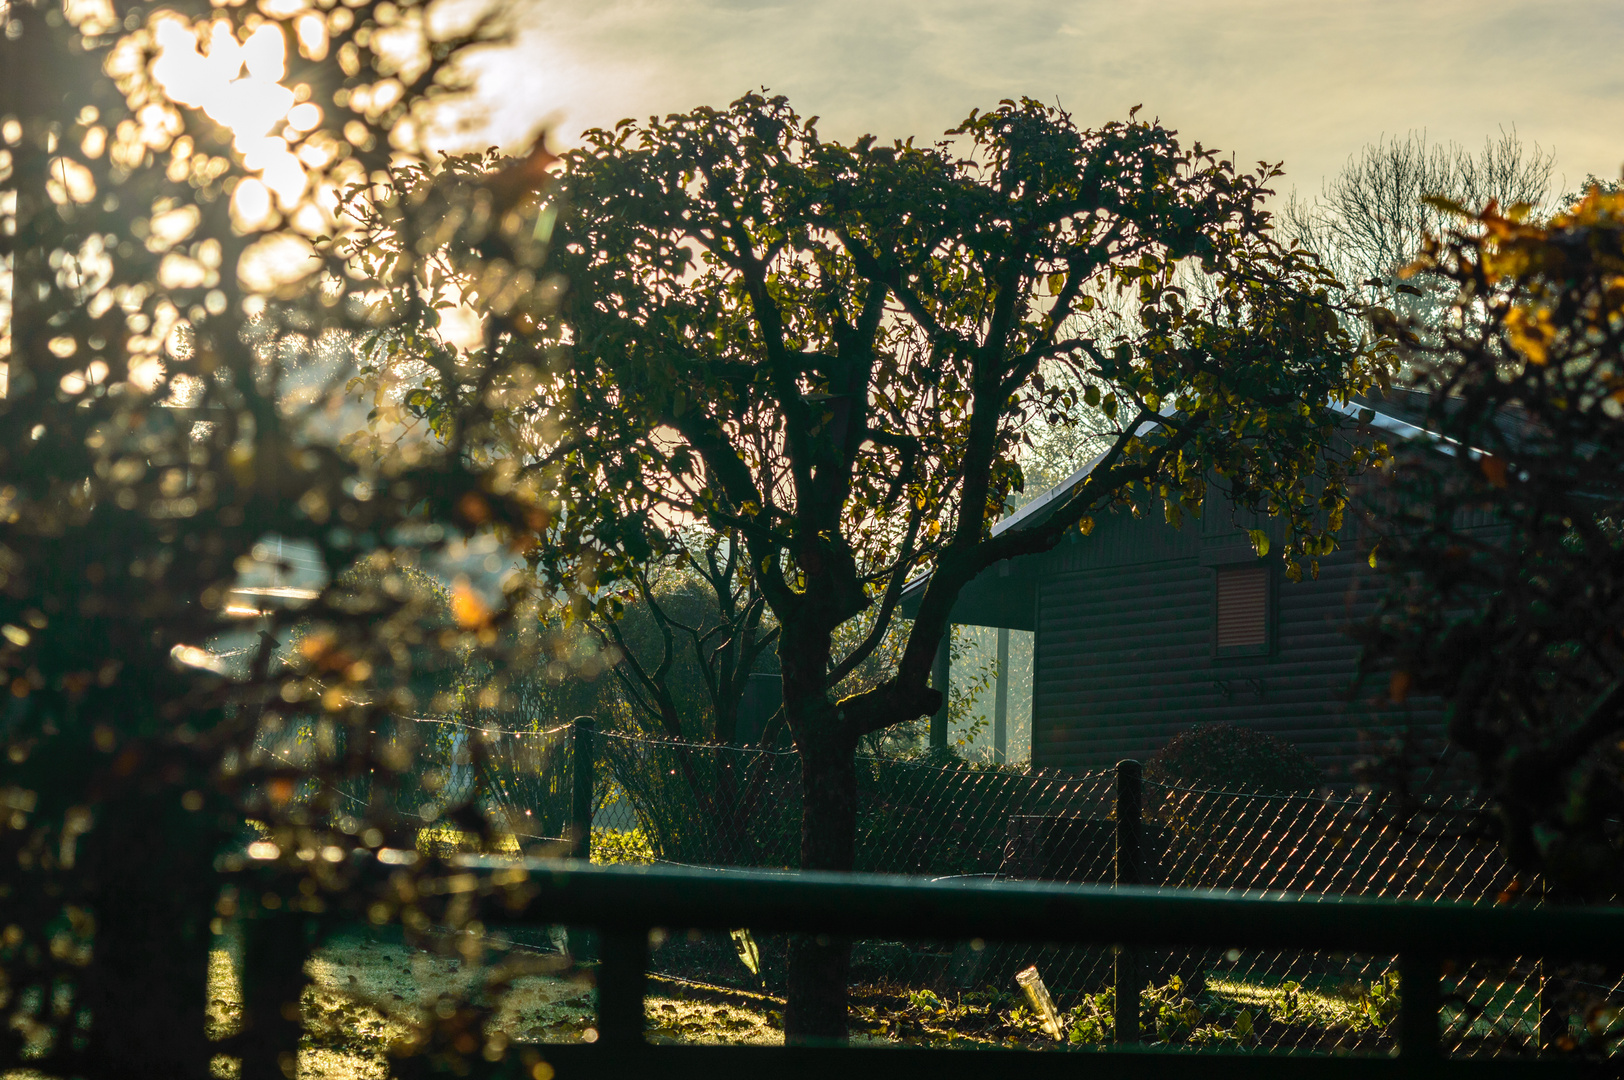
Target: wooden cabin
point(1142, 629)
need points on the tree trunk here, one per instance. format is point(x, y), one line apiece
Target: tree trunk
point(819, 964)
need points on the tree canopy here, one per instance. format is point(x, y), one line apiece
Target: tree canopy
point(833, 349)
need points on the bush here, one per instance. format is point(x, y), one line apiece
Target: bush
point(936, 814)
point(1229, 758)
point(621, 846)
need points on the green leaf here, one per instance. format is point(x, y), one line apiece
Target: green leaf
point(1260, 541)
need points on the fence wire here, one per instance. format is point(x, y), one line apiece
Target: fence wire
point(699, 804)
point(1370, 844)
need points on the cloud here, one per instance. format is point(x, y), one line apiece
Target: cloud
point(1307, 83)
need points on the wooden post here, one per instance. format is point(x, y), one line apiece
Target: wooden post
point(622, 975)
point(1129, 870)
point(581, 788)
point(272, 980)
point(940, 676)
point(1000, 701)
point(1418, 1005)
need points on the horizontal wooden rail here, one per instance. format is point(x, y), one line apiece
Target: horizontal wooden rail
point(625, 903)
point(871, 905)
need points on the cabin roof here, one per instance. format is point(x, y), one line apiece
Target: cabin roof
point(1392, 413)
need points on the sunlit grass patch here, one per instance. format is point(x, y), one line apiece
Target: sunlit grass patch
point(672, 1019)
point(1293, 1003)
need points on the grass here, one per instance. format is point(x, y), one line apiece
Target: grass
point(1295, 1002)
point(368, 995)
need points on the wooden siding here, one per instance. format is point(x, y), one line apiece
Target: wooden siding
point(1127, 654)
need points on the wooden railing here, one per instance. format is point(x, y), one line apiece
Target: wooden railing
point(625, 904)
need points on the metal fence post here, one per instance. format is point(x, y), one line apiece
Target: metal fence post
point(1129, 870)
point(1418, 1006)
point(581, 788)
point(622, 974)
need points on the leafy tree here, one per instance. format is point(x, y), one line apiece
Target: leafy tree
point(1503, 534)
point(180, 330)
point(831, 351)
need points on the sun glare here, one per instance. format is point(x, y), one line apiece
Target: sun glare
point(238, 85)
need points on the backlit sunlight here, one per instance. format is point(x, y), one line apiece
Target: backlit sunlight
point(237, 84)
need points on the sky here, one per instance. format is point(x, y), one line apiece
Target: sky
point(1307, 82)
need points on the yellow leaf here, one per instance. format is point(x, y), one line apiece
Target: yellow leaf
point(1530, 331)
point(1409, 270)
point(467, 606)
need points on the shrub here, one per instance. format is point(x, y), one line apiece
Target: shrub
point(1230, 758)
point(621, 846)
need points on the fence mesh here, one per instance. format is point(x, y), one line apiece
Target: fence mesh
point(698, 804)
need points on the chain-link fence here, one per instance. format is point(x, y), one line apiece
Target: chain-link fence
point(1352, 844)
point(658, 800)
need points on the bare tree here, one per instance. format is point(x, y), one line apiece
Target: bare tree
point(1369, 220)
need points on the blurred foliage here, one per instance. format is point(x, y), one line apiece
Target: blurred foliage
point(1224, 757)
point(191, 295)
point(1501, 530)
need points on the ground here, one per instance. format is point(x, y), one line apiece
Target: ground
point(368, 992)
point(367, 995)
